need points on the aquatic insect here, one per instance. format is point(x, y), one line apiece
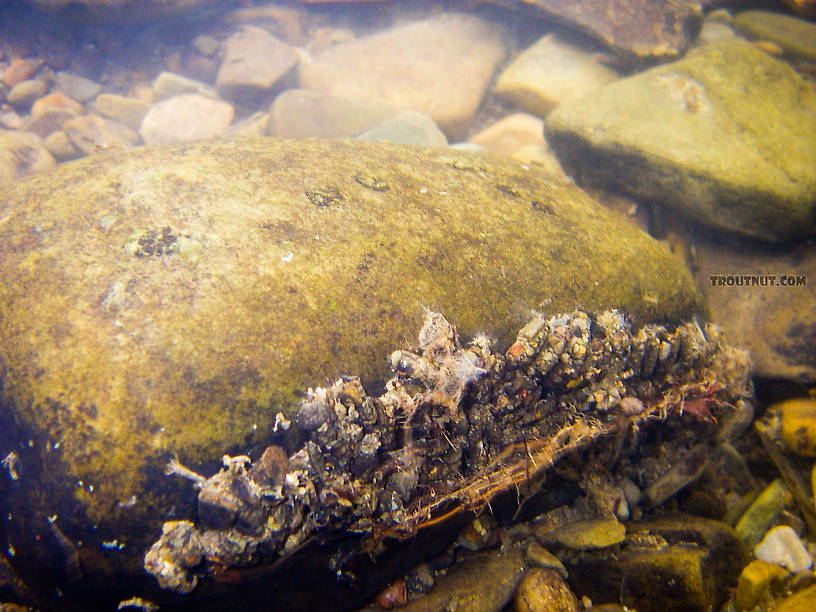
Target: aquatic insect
point(11, 462)
point(455, 427)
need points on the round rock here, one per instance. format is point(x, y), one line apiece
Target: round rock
point(172, 300)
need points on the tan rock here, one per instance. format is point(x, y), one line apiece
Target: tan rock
point(254, 63)
point(407, 128)
point(19, 71)
point(550, 72)
point(21, 154)
point(23, 94)
point(170, 84)
point(418, 66)
point(302, 113)
point(484, 584)
point(544, 590)
point(76, 87)
point(61, 147)
point(584, 534)
point(125, 110)
point(510, 134)
point(55, 101)
point(185, 117)
point(48, 121)
point(92, 133)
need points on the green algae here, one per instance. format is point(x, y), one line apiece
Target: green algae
point(724, 136)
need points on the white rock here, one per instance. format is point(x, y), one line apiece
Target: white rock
point(782, 546)
point(186, 117)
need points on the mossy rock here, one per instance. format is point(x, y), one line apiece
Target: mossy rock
point(173, 300)
point(724, 136)
point(679, 563)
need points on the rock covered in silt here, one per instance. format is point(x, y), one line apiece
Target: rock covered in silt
point(440, 67)
point(180, 299)
point(636, 30)
point(455, 428)
point(724, 136)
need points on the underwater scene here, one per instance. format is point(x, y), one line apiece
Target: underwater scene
point(438, 306)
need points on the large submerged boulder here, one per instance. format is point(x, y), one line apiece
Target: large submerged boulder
point(724, 136)
point(178, 300)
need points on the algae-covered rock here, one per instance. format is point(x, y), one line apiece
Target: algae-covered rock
point(724, 136)
point(796, 36)
point(174, 301)
point(679, 563)
point(799, 425)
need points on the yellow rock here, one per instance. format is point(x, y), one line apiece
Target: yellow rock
point(543, 590)
point(803, 601)
point(753, 582)
point(799, 425)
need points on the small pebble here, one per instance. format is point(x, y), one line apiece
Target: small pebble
point(538, 556)
point(782, 546)
point(23, 94)
point(544, 590)
point(420, 580)
point(205, 45)
point(18, 71)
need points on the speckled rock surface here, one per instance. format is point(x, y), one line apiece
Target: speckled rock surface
point(637, 30)
point(724, 136)
point(174, 300)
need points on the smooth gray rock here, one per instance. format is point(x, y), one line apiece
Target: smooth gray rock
point(77, 87)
